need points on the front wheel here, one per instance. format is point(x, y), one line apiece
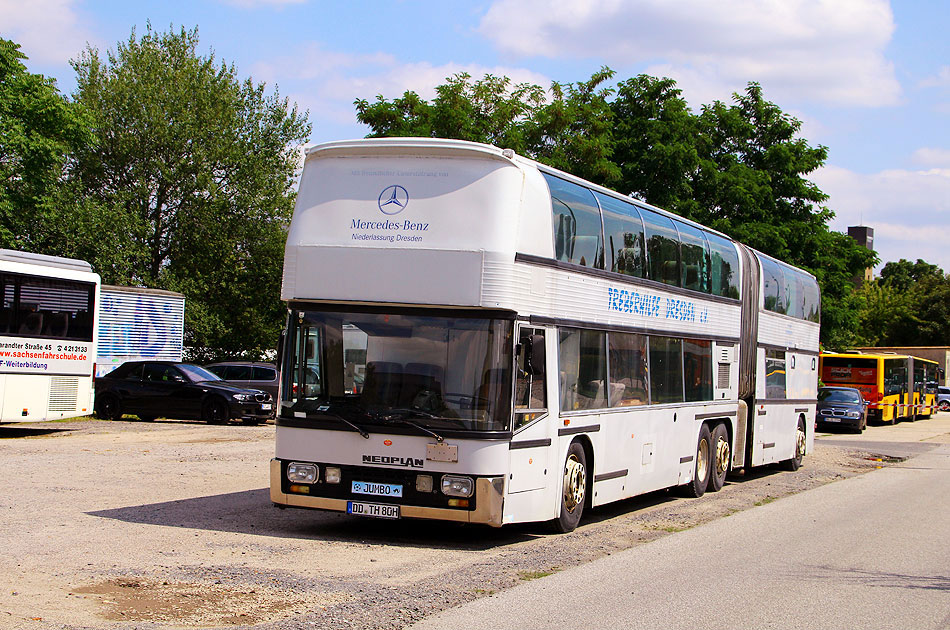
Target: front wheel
point(721, 456)
point(216, 411)
point(795, 463)
point(944, 405)
point(702, 468)
point(108, 407)
point(575, 489)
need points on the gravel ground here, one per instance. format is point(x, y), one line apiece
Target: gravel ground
point(169, 525)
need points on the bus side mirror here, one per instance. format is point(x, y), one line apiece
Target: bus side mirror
point(536, 355)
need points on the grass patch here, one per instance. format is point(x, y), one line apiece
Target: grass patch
point(534, 575)
point(764, 501)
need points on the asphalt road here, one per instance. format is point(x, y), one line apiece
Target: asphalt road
point(867, 552)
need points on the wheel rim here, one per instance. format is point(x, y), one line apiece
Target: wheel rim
point(702, 459)
point(109, 406)
point(722, 455)
point(800, 447)
point(216, 413)
point(575, 483)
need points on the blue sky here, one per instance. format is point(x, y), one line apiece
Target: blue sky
point(869, 79)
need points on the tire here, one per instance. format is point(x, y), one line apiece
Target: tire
point(216, 411)
point(147, 418)
point(108, 407)
point(251, 421)
point(574, 495)
point(721, 457)
point(795, 463)
point(944, 405)
point(702, 465)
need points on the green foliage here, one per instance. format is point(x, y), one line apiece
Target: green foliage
point(195, 168)
point(38, 129)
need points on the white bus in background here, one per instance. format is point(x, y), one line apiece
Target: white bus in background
point(47, 336)
point(476, 337)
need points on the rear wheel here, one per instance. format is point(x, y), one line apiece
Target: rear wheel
point(575, 489)
point(944, 405)
point(721, 456)
point(702, 465)
point(108, 407)
point(216, 411)
point(795, 463)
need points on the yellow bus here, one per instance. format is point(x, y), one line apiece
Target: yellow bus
point(896, 386)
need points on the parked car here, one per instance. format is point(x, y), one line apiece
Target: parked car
point(166, 389)
point(248, 374)
point(943, 398)
point(843, 407)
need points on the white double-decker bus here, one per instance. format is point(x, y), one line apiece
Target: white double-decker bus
point(473, 336)
point(47, 336)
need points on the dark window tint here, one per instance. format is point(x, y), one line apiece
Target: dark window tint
point(628, 370)
point(724, 267)
point(774, 374)
point(663, 248)
point(666, 370)
point(47, 308)
point(623, 230)
point(531, 400)
point(695, 258)
point(238, 373)
point(578, 234)
point(219, 370)
point(582, 359)
point(697, 370)
point(264, 374)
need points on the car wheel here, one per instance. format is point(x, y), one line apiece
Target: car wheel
point(147, 418)
point(702, 465)
point(251, 421)
point(944, 405)
point(108, 407)
point(216, 411)
point(795, 463)
point(721, 456)
point(574, 494)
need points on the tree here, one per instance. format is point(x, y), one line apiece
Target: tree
point(38, 130)
point(196, 168)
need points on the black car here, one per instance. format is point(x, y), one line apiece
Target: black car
point(153, 389)
point(842, 407)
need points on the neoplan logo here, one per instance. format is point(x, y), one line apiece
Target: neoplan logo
point(408, 462)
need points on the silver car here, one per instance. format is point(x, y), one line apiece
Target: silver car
point(248, 374)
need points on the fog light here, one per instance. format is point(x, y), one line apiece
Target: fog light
point(301, 473)
point(423, 483)
point(332, 474)
point(298, 489)
point(457, 486)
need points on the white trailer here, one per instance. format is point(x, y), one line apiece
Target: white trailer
point(137, 324)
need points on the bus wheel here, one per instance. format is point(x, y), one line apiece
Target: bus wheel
point(721, 454)
point(575, 489)
point(216, 411)
point(702, 467)
point(108, 407)
point(795, 463)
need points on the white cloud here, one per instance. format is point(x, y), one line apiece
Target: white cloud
point(909, 210)
point(941, 79)
point(938, 158)
point(48, 31)
point(830, 51)
point(327, 82)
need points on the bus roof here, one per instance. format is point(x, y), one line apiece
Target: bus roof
point(44, 260)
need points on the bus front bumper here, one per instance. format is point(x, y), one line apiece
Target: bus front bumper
point(489, 494)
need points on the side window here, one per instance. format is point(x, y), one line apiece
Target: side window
point(723, 267)
point(239, 373)
point(795, 306)
point(811, 299)
point(774, 297)
point(578, 234)
point(623, 229)
point(666, 370)
point(697, 369)
point(775, 374)
point(582, 360)
point(217, 370)
point(663, 248)
point(531, 401)
point(695, 255)
point(153, 372)
point(629, 385)
point(264, 374)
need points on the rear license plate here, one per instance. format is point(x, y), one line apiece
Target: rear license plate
point(377, 510)
point(377, 489)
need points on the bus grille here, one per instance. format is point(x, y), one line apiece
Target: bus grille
point(63, 393)
point(724, 376)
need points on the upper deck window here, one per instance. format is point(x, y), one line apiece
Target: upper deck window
point(663, 248)
point(578, 233)
point(695, 253)
point(623, 229)
point(724, 267)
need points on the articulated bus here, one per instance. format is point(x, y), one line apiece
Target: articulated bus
point(896, 386)
point(47, 336)
point(477, 337)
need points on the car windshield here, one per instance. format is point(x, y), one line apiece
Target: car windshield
point(839, 395)
point(389, 368)
point(197, 373)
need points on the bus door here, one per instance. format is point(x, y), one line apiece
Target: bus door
point(532, 446)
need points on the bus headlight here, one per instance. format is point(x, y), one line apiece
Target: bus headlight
point(301, 473)
point(332, 474)
point(455, 486)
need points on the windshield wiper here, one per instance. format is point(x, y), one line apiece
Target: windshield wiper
point(363, 432)
point(399, 415)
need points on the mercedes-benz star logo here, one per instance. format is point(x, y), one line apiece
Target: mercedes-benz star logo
point(393, 199)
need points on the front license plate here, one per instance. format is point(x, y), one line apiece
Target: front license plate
point(831, 419)
point(377, 489)
point(265, 406)
point(377, 510)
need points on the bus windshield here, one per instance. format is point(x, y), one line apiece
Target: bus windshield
point(389, 368)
